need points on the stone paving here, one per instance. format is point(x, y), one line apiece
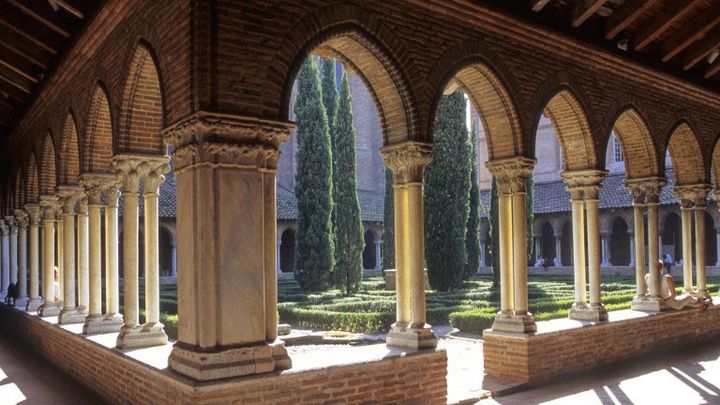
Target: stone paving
point(676, 376)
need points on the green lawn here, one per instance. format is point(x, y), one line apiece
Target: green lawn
point(470, 309)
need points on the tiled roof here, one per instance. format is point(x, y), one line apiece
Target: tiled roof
point(371, 205)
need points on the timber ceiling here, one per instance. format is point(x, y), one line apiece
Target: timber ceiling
point(34, 36)
point(680, 37)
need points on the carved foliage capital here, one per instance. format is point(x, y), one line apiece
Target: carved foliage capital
point(693, 193)
point(49, 204)
point(22, 218)
point(33, 211)
point(69, 196)
point(511, 173)
point(94, 185)
point(584, 183)
point(645, 190)
point(407, 160)
point(227, 139)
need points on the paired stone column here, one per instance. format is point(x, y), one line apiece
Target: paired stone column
point(13, 244)
point(5, 246)
point(646, 194)
point(407, 161)
point(632, 248)
point(538, 249)
point(112, 320)
point(35, 300)
point(717, 246)
point(226, 233)
point(558, 248)
point(584, 187)
point(70, 313)
point(693, 199)
point(22, 282)
point(173, 259)
point(83, 246)
point(605, 249)
point(511, 178)
point(686, 210)
point(51, 305)
point(277, 259)
point(701, 266)
point(378, 255)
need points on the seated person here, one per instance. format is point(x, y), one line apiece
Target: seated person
point(669, 296)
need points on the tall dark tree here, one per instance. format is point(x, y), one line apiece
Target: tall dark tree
point(330, 102)
point(472, 237)
point(388, 241)
point(447, 191)
point(313, 188)
point(349, 241)
point(494, 233)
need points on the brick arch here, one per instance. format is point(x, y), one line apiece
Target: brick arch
point(686, 155)
point(143, 114)
point(491, 98)
point(354, 36)
point(641, 157)
point(572, 127)
point(48, 167)
point(716, 165)
point(69, 157)
point(98, 143)
point(19, 195)
point(32, 186)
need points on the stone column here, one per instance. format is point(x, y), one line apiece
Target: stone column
point(226, 233)
point(584, 187)
point(69, 196)
point(5, 280)
point(112, 320)
point(50, 307)
point(558, 248)
point(632, 249)
point(83, 270)
point(59, 246)
point(511, 176)
point(127, 167)
point(152, 171)
point(22, 223)
point(277, 260)
point(13, 244)
point(173, 259)
point(35, 299)
point(605, 237)
point(700, 266)
point(407, 161)
point(717, 247)
point(686, 208)
point(483, 241)
point(538, 249)
point(378, 256)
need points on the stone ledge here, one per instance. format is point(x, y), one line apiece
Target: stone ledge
point(374, 373)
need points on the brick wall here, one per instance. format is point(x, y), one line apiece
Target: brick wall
point(538, 358)
point(414, 379)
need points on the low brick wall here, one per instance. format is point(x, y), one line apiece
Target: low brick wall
point(415, 378)
point(540, 357)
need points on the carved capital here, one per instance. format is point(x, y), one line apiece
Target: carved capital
point(584, 182)
point(22, 219)
point(153, 174)
point(69, 196)
point(693, 193)
point(226, 139)
point(511, 173)
point(33, 211)
point(10, 224)
point(407, 160)
point(49, 204)
point(132, 168)
point(4, 230)
point(94, 185)
point(645, 190)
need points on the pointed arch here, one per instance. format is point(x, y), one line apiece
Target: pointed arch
point(716, 165)
point(686, 156)
point(143, 112)
point(32, 189)
point(48, 167)
point(98, 146)
point(495, 106)
point(573, 131)
point(19, 197)
point(641, 158)
point(69, 153)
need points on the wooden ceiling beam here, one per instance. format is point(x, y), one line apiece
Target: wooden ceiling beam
point(19, 24)
point(648, 33)
point(713, 69)
point(701, 49)
point(538, 5)
point(16, 80)
point(693, 31)
point(624, 16)
point(25, 49)
point(18, 65)
point(70, 7)
point(42, 13)
point(7, 87)
point(584, 9)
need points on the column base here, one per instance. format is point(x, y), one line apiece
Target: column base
point(592, 313)
point(71, 315)
point(412, 337)
point(33, 304)
point(141, 336)
point(650, 304)
point(702, 294)
point(108, 323)
point(49, 309)
point(511, 323)
point(21, 303)
point(228, 362)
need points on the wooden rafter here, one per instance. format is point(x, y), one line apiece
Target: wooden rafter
point(17, 64)
point(538, 5)
point(583, 9)
point(701, 49)
point(662, 22)
point(16, 80)
point(42, 13)
point(624, 16)
point(19, 24)
point(713, 69)
point(12, 90)
point(693, 31)
point(69, 7)
point(19, 46)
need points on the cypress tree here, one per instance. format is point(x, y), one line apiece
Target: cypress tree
point(494, 233)
point(349, 229)
point(313, 189)
point(329, 101)
point(447, 191)
point(472, 238)
point(388, 241)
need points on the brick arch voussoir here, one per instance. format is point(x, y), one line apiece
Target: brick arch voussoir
point(715, 166)
point(398, 110)
point(643, 157)
point(48, 165)
point(32, 191)
point(97, 148)
point(69, 156)
point(686, 154)
point(457, 60)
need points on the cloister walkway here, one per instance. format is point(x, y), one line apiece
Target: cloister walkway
point(29, 379)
